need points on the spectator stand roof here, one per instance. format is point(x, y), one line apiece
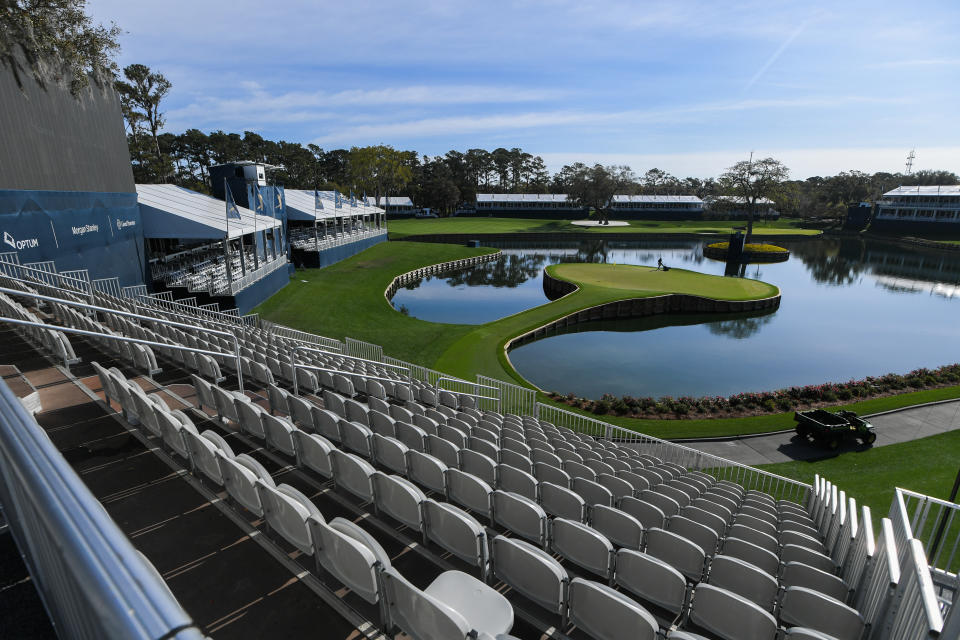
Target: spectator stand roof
point(300, 206)
point(396, 201)
point(169, 211)
point(926, 190)
point(559, 198)
point(738, 200)
point(656, 199)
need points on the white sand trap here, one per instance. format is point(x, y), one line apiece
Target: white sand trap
point(595, 223)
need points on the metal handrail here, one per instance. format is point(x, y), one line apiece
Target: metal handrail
point(90, 292)
point(193, 310)
point(127, 314)
point(92, 581)
point(297, 348)
point(472, 384)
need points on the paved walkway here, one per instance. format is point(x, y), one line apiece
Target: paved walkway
point(899, 426)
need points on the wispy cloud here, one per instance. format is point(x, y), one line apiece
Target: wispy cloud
point(921, 62)
point(443, 126)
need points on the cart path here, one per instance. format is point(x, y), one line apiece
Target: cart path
point(900, 426)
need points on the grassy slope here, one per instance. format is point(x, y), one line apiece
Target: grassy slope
point(361, 311)
point(413, 226)
point(927, 465)
point(481, 350)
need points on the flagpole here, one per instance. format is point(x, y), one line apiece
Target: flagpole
point(227, 196)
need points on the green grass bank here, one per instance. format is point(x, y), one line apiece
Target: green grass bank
point(403, 228)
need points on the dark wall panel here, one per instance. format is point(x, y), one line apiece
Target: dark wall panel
point(51, 140)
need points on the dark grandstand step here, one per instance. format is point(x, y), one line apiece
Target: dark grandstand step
point(231, 585)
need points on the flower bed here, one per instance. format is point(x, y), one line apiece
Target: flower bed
point(752, 252)
point(750, 248)
point(765, 402)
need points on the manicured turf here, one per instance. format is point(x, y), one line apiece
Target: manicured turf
point(646, 281)
point(413, 226)
point(361, 311)
point(928, 466)
point(346, 299)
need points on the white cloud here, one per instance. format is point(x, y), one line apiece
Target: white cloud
point(447, 125)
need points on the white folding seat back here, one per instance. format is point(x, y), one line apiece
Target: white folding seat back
point(400, 499)
point(375, 390)
point(797, 574)
point(307, 381)
point(204, 392)
point(665, 503)
point(327, 423)
point(486, 447)
point(649, 515)
point(756, 523)
point(705, 537)
point(279, 433)
point(377, 404)
point(718, 506)
point(350, 554)
point(754, 554)
point(622, 529)
point(171, 429)
point(742, 578)
point(355, 437)
point(420, 616)
point(356, 412)
point(301, 412)
point(313, 452)
point(353, 474)
point(583, 546)
point(522, 516)
point(343, 385)
point(685, 556)
point(443, 450)
point(457, 532)
point(203, 453)
point(469, 491)
point(226, 402)
point(334, 402)
point(593, 493)
point(759, 538)
point(479, 465)
point(240, 475)
point(286, 510)
point(429, 425)
point(651, 580)
point(414, 437)
point(516, 481)
point(517, 460)
point(618, 487)
point(679, 496)
point(383, 424)
point(562, 502)
point(531, 571)
point(389, 453)
point(808, 608)
point(545, 472)
point(251, 419)
point(578, 470)
point(426, 471)
point(801, 540)
point(606, 614)
point(730, 616)
point(797, 553)
point(707, 519)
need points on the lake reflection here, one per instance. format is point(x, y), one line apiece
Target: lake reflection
point(850, 308)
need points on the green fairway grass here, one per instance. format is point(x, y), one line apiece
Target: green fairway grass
point(359, 310)
point(403, 228)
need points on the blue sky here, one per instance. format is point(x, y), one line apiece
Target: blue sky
point(687, 86)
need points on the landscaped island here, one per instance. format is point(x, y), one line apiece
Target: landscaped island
point(752, 252)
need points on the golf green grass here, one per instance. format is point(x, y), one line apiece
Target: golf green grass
point(645, 281)
point(403, 228)
point(361, 311)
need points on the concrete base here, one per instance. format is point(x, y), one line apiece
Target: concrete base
point(596, 223)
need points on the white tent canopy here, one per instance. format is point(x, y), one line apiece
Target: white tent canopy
point(169, 211)
point(300, 206)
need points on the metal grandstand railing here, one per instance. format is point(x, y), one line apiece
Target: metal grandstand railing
point(513, 398)
point(361, 349)
point(238, 284)
point(302, 336)
point(92, 581)
point(932, 521)
point(472, 389)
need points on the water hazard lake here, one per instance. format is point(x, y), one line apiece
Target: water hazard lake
point(850, 308)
